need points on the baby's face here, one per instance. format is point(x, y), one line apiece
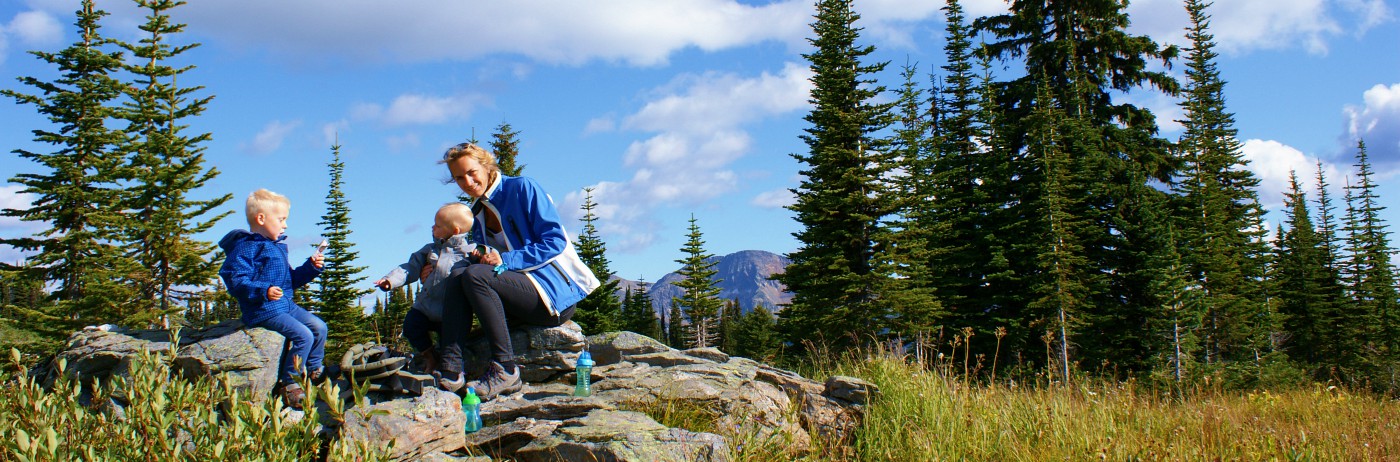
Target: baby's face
point(441, 230)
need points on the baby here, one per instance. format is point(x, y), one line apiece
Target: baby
point(450, 253)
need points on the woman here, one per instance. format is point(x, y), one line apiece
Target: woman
point(533, 276)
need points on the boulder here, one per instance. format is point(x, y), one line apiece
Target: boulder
point(623, 436)
point(246, 357)
point(418, 426)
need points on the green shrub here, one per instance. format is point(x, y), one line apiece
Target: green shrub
point(164, 419)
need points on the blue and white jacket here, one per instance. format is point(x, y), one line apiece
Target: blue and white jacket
point(252, 264)
point(535, 241)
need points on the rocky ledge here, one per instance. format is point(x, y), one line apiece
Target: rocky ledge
point(633, 374)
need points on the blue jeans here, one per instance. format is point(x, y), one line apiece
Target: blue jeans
point(306, 337)
point(418, 329)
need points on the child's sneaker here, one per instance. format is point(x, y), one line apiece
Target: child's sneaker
point(496, 382)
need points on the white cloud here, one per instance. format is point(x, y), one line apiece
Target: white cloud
point(1272, 161)
point(697, 121)
point(271, 136)
point(634, 32)
point(1245, 25)
point(414, 109)
point(777, 198)
point(1378, 123)
point(35, 28)
point(12, 198)
point(330, 133)
point(600, 125)
point(407, 142)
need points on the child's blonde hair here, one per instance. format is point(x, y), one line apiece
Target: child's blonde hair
point(265, 202)
point(457, 214)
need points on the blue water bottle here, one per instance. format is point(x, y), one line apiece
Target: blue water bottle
point(471, 406)
point(583, 369)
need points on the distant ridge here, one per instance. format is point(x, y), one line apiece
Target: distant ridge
point(743, 275)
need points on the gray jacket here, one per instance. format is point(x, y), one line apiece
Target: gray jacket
point(447, 256)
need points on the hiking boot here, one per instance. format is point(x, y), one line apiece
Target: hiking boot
point(317, 376)
point(293, 395)
point(431, 360)
point(452, 381)
point(496, 382)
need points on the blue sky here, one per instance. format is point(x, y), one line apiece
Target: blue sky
point(666, 108)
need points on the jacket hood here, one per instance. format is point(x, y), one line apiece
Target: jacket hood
point(233, 238)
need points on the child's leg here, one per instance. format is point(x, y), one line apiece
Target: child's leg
point(417, 328)
point(298, 336)
point(316, 352)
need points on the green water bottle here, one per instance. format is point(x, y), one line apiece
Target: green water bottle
point(583, 369)
point(471, 406)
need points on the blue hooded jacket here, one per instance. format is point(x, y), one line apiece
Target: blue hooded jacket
point(254, 263)
point(536, 243)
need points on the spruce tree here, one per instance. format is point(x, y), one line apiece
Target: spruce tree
point(841, 199)
point(729, 316)
point(600, 311)
point(167, 168)
point(1343, 322)
point(1372, 271)
point(1080, 52)
point(338, 297)
point(756, 337)
point(77, 189)
point(506, 147)
point(699, 298)
point(1218, 197)
point(676, 335)
point(388, 315)
point(1296, 273)
point(639, 315)
point(903, 247)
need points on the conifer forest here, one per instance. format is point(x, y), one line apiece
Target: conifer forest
point(1007, 204)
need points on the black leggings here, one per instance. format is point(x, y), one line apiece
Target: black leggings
point(479, 292)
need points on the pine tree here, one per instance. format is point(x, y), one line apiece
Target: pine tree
point(506, 147)
point(676, 336)
point(1299, 273)
point(729, 316)
point(903, 247)
point(841, 198)
point(756, 337)
point(639, 316)
point(1343, 322)
point(167, 167)
point(78, 191)
point(1218, 196)
point(699, 298)
point(388, 317)
point(600, 311)
point(336, 287)
point(1373, 274)
point(1079, 51)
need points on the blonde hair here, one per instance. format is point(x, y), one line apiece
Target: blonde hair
point(457, 214)
point(264, 201)
point(486, 158)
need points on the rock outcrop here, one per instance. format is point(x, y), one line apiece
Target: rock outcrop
point(634, 376)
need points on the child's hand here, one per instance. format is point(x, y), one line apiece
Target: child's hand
point(274, 293)
point(426, 271)
point(318, 260)
point(382, 284)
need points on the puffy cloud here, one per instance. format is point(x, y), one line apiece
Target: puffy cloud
point(271, 136)
point(1377, 122)
point(697, 121)
point(417, 109)
point(634, 32)
point(1244, 25)
point(37, 28)
point(1272, 161)
point(777, 198)
point(12, 198)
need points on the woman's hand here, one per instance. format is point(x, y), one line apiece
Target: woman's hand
point(489, 256)
point(318, 260)
point(274, 293)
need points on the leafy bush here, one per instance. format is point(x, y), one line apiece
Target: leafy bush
point(162, 420)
